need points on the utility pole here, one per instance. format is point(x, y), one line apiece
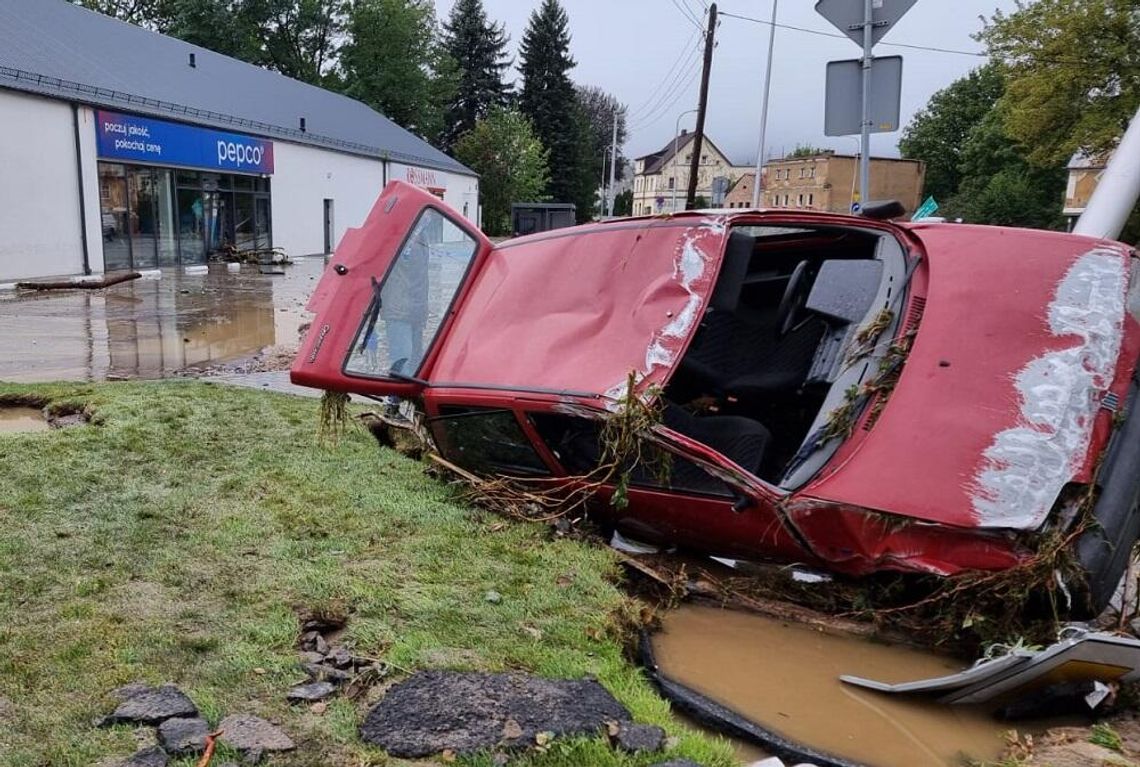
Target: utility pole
point(702, 106)
point(865, 155)
point(613, 166)
point(756, 183)
point(602, 194)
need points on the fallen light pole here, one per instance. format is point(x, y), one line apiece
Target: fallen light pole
point(1115, 196)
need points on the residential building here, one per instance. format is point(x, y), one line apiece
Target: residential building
point(828, 182)
point(661, 179)
point(128, 149)
point(1084, 175)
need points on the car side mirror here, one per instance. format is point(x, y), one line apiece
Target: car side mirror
point(742, 502)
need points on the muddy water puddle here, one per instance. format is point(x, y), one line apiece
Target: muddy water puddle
point(14, 420)
point(151, 328)
point(786, 678)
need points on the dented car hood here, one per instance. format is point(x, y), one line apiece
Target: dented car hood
point(578, 312)
point(1002, 396)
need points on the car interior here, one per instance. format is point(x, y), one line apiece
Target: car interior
point(762, 372)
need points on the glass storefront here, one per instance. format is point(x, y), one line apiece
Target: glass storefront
point(163, 217)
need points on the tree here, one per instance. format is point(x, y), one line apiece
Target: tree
point(600, 109)
point(1000, 186)
point(300, 38)
point(807, 150)
point(937, 134)
point(393, 62)
point(152, 14)
point(223, 26)
point(548, 100)
point(1073, 76)
point(511, 162)
point(479, 49)
point(623, 203)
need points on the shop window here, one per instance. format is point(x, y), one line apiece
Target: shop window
point(242, 183)
point(486, 441)
point(188, 178)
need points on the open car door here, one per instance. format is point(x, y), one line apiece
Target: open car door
point(388, 296)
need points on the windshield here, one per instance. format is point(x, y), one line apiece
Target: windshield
point(410, 302)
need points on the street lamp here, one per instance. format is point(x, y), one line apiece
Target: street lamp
point(676, 135)
point(764, 108)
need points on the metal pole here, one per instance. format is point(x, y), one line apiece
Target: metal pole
point(865, 155)
point(1115, 196)
point(702, 108)
point(613, 168)
point(602, 196)
point(764, 109)
point(676, 135)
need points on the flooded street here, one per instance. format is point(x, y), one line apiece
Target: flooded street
point(786, 678)
point(151, 328)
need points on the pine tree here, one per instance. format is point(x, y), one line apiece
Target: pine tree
point(479, 49)
point(549, 100)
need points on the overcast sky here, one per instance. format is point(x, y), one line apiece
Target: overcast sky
point(628, 47)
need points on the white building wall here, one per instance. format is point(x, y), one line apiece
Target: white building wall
point(459, 191)
point(303, 178)
point(40, 225)
point(89, 157)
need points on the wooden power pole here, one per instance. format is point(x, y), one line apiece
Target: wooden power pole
point(694, 165)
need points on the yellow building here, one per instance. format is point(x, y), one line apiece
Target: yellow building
point(829, 182)
point(661, 179)
point(1084, 175)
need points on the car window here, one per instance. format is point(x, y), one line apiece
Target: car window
point(411, 300)
point(576, 443)
point(486, 441)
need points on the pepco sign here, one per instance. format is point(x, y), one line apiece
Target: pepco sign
point(142, 139)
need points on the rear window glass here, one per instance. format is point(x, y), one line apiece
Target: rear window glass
point(412, 299)
point(486, 441)
point(577, 445)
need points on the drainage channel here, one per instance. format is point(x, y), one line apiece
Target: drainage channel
point(759, 679)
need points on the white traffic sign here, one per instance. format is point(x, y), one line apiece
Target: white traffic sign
point(847, 16)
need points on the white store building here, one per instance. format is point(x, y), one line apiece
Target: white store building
point(126, 149)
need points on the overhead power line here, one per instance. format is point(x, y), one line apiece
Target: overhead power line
point(685, 51)
point(687, 13)
point(676, 87)
point(823, 33)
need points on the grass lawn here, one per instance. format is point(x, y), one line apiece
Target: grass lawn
point(174, 538)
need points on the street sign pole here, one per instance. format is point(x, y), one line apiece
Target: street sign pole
point(865, 154)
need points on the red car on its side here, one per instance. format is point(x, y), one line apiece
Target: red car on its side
point(847, 392)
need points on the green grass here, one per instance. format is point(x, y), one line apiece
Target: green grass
point(1103, 735)
point(174, 538)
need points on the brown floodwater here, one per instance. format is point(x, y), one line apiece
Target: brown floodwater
point(785, 677)
point(20, 419)
point(151, 328)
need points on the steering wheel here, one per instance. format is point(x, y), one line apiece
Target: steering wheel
point(795, 296)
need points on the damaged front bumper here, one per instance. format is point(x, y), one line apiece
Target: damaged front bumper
point(1105, 549)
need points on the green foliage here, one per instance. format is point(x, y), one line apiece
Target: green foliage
point(175, 540)
point(152, 14)
point(299, 38)
point(548, 98)
point(700, 202)
point(1073, 79)
point(974, 168)
point(938, 133)
point(623, 203)
point(999, 185)
point(479, 49)
point(393, 63)
point(807, 150)
point(511, 162)
point(599, 108)
point(1104, 736)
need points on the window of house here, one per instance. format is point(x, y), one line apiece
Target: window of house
point(811, 200)
point(704, 158)
point(671, 180)
point(803, 172)
point(486, 441)
point(576, 444)
point(811, 172)
point(800, 201)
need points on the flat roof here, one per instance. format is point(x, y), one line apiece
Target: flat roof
point(61, 50)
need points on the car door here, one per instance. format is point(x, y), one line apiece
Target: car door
point(388, 296)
